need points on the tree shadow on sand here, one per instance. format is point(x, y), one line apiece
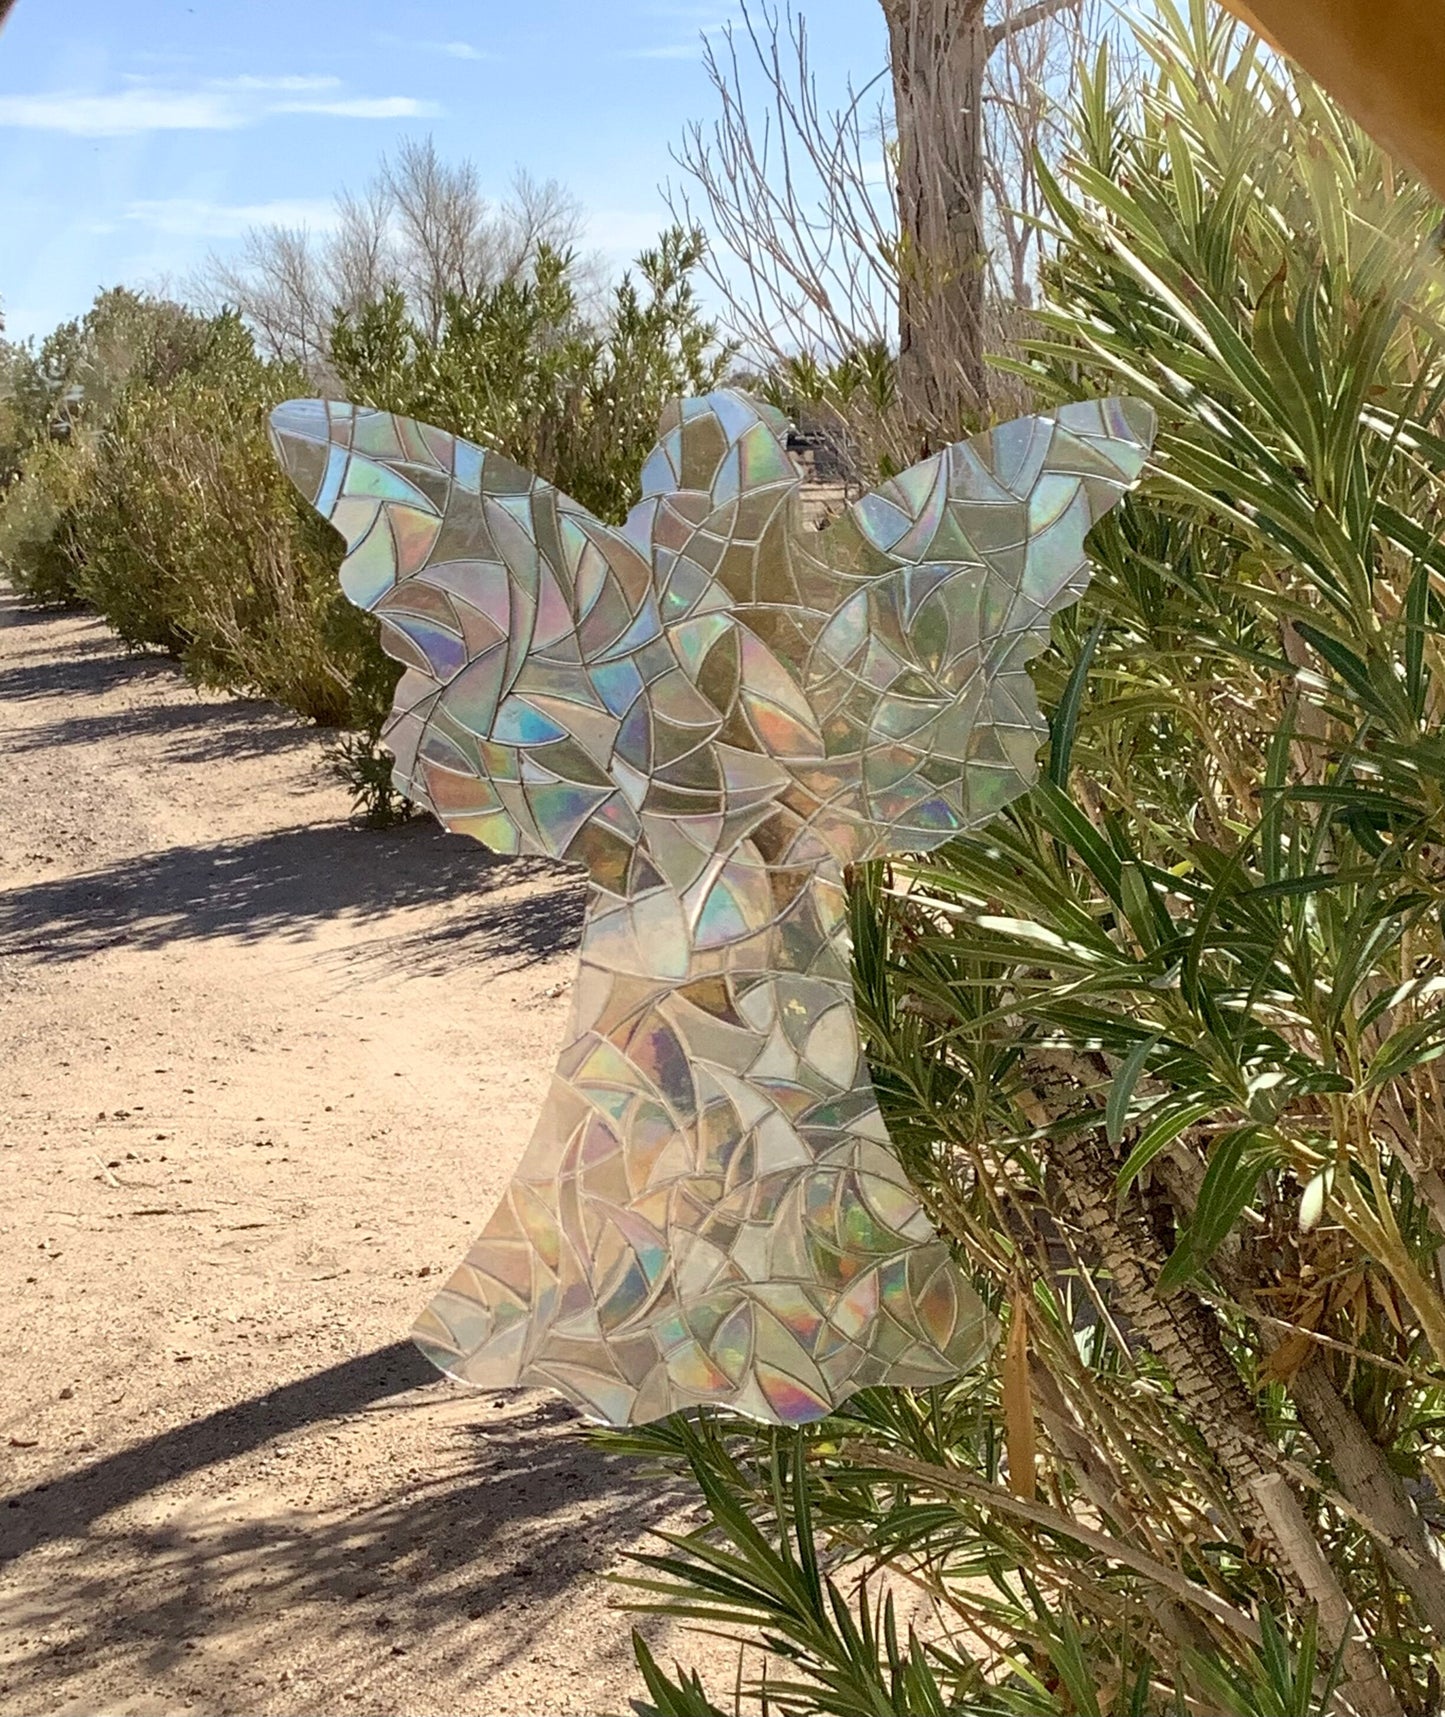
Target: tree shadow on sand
point(67, 1506)
point(14, 611)
point(509, 932)
point(201, 730)
point(289, 882)
point(90, 667)
point(465, 1559)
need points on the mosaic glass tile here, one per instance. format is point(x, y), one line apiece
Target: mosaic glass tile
point(713, 709)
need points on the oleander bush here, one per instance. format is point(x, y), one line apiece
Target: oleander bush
point(1161, 1044)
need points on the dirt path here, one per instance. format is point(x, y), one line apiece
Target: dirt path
point(261, 1078)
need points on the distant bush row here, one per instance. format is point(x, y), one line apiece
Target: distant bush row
point(136, 477)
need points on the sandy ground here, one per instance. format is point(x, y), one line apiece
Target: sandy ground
point(262, 1076)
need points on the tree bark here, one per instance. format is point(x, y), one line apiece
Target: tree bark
point(1364, 1688)
point(938, 50)
point(1363, 1477)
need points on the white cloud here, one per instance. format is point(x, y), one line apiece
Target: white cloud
point(215, 105)
point(452, 50)
point(293, 84)
point(365, 107)
point(123, 113)
point(195, 217)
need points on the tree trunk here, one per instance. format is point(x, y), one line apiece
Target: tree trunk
point(1363, 1476)
point(938, 50)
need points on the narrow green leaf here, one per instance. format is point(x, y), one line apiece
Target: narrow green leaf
point(1121, 1090)
point(1158, 1136)
point(1066, 717)
point(1296, 385)
point(1235, 1164)
point(1354, 670)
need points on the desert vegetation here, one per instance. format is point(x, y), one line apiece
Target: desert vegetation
point(139, 480)
point(1160, 1044)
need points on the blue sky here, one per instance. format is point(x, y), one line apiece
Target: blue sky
point(137, 134)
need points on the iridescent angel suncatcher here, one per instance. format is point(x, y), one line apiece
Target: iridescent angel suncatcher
point(714, 710)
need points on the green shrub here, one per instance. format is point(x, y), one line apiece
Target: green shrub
point(39, 553)
point(166, 510)
point(520, 368)
point(194, 541)
point(52, 399)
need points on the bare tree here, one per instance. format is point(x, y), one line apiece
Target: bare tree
point(422, 225)
point(1029, 63)
point(905, 224)
point(798, 195)
point(278, 281)
point(361, 258)
point(444, 234)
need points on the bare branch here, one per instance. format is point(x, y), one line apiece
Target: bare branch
point(800, 197)
point(1039, 13)
point(444, 238)
point(422, 224)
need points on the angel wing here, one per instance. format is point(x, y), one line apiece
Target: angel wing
point(951, 572)
point(880, 664)
point(492, 587)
